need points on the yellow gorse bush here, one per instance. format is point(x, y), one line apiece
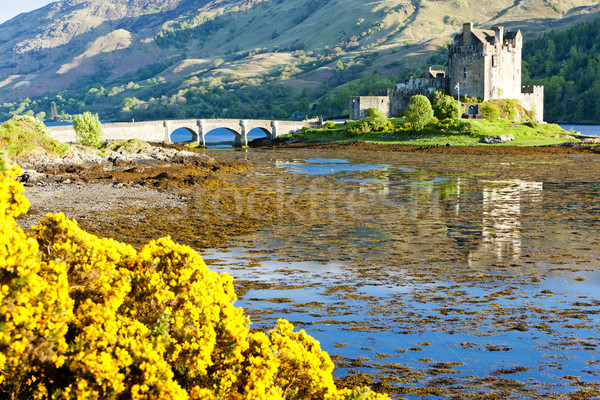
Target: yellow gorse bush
point(83, 317)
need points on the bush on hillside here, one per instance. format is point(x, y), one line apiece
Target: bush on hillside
point(88, 129)
point(23, 134)
point(489, 111)
point(329, 125)
point(91, 318)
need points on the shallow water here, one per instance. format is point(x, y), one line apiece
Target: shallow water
point(431, 275)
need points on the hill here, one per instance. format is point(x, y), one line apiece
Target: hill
point(149, 59)
point(567, 63)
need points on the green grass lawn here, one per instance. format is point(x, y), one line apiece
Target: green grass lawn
point(456, 133)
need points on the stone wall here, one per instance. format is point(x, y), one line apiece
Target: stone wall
point(399, 98)
point(360, 104)
point(151, 131)
point(532, 98)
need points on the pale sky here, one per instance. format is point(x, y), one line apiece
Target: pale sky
point(12, 8)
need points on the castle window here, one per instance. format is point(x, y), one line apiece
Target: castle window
point(494, 61)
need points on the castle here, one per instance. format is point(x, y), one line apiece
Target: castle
point(485, 64)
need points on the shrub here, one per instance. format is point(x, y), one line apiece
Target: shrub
point(23, 134)
point(329, 125)
point(376, 119)
point(489, 111)
point(88, 129)
point(446, 107)
point(91, 318)
point(436, 96)
point(419, 112)
point(359, 127)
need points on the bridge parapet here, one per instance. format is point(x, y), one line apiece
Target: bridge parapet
point(160, 131)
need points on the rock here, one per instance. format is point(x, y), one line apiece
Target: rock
point(520, 328)
point(591, 140)
point(31, 176)
point(132, 157)
point(162, 175)
point(497, 139)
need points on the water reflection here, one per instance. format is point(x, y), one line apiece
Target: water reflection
point(409, 271)
point(326, 166)
point(501, 220)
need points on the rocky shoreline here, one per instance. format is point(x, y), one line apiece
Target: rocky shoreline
point(86, 165)
point(116, 191)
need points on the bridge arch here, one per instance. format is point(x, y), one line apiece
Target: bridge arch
point(183, 135)
point(259, 132)
point(221, 136)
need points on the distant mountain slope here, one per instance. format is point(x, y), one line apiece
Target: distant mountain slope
point(148, 49)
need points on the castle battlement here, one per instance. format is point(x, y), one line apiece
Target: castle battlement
point(531, 88)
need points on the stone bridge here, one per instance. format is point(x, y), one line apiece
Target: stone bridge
point(160, 131)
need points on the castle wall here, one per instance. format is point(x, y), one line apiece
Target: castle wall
point(532, 98)
point(360, 104)
point(400, 97)
point(466, 66)
point(504, 66)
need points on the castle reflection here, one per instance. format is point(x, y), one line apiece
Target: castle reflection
point(501, 220)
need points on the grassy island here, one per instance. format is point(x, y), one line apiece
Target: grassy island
point(457, 132)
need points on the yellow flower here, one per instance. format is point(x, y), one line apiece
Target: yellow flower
point(90, 318)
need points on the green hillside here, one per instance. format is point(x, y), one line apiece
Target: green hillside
point(567, 63)
point(149, 59)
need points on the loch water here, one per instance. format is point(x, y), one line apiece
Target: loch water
point(428, 275)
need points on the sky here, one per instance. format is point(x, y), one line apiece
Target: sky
point(12, 8)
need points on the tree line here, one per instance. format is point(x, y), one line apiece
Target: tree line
point(567, 63)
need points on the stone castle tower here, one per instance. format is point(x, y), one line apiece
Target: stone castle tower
point(485, 64)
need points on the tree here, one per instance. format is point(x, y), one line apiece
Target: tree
point(418, 112)
point(445, 107)
point(88, 129)
point(339, 66)
point(53, 112)
point(489, 111)
point(304, 106)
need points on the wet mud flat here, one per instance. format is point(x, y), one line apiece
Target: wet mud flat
point(423, 275)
